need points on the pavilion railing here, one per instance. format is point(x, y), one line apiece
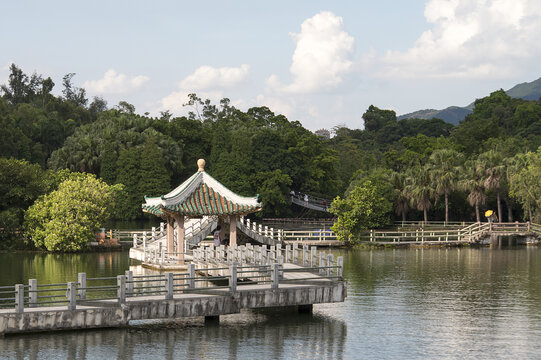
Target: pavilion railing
point(117, 290)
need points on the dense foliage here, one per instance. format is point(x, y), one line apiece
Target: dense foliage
point(68, 218)
point(427, 169)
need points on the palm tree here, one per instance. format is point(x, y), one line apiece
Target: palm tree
point(491, 167)
point(419, 189)
point(520, 182)
point(398, 180)
point(444, 175)
point(472, 183)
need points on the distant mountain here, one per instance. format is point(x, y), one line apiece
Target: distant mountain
point(455, 114)
point(526, 91)
point(452, 114)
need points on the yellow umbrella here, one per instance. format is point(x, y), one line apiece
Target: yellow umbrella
point(488, 213)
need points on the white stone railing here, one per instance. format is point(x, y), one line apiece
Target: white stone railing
point(262, 255)
point(274, 235)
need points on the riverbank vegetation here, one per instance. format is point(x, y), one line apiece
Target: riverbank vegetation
point(413, 168)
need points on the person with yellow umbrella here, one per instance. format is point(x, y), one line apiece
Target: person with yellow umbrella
point(491, 216)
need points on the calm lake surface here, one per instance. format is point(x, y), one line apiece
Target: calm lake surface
point(453, 303)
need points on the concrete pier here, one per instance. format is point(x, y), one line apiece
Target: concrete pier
point(109, 313)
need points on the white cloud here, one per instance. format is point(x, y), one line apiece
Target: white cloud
point(208, 83)
point(207, 77)
point(471, 39)
point(322, 57)
point(4, 72)
point(275, 104)
point(115, 83)
point(175, 101)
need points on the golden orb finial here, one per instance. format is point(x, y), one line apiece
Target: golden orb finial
point(201, 163)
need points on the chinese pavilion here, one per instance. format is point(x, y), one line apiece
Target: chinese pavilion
point(198, 196)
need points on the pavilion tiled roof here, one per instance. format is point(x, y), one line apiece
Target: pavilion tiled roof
point(201, 195)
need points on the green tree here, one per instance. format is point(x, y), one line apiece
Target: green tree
point(108, 164)
point(69, 217)
point(419, 189)
point(375, 118)
point(154, 179)
point(523, 175)
point(273, 187)
point(472, 182)
point(398, 180)
point(128, 206)
point(364, 208)
point(21, 183)
point(444, 172)
point(491, 167)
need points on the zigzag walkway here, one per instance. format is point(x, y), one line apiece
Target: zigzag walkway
point(311, 202)
point(474, 233)
point(115, 301)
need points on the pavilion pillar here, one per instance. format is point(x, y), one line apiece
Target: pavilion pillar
point(180, 238)
point(170, 235)
point(233, 230)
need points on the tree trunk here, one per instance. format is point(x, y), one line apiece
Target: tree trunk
point(478, 217)
point(426, 215)
point(499, 207)
point(446, 208)
point(403, 216)
point(530, 212)
point(509, 210)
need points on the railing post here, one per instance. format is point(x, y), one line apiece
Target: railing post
point(71, 295)
point(304, 255)
point(275, 275)
point(129, 282)
point(340, 268)
point(19, 298)
point(330, 261)
point(321, 263)
point(191, 276)
point(153, 233)
point(313, 255)
point(81, 279)
point(144, 247)
point(260, 229)
point(32, 294)
point(528, 226)
point(134, 240)
point(162, 228)
point(121, 288)
point(233, 277)
point(169, 285)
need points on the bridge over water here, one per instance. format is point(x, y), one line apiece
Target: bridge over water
point(115, 301)
point(475, 233)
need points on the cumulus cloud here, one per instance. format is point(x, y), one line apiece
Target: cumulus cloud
point(471, 39)
point(208, 77)
point(322, 57)
point(208, 82)
point(115, 83)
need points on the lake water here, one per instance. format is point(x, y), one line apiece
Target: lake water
point(450, 303)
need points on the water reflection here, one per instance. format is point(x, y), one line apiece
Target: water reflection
point(249, 335)
point(18, 267)
point(401, 304)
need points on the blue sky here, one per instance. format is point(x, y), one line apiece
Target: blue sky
point(320, 62)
